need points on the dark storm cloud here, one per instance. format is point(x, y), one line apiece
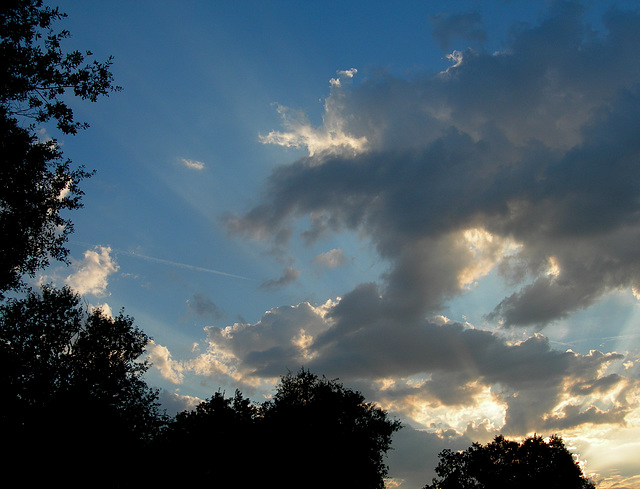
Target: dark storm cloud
point(537, 144)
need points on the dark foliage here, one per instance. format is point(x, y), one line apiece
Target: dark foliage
point(37, 184)
point(314, 433)
point(505, 464)
point(36, 187)
point(36, 72)
point(75, 403)
point(328, 434)
point(215, 442)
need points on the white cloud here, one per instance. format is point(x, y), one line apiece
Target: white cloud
point(193, 164)
point(90, 275)
point(332, 137)
point(105, 308)
point(331, 259)
point(161, 359)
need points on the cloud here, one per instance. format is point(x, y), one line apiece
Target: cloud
point(176, 403)
point(203, 306)
point(330, 138)
point(280, 340)
point(331, 259)
point(522, 163)
point(185, 266)
point(289, 275)
point(161, 359)
point(104, 308)
point(440, 375)
point(192, 164)
point(91, 274)
point(534, 147)
point(415, 455)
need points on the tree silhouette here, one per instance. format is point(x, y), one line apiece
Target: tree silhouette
point(313, 433)
point(36, 187)
point(37, 184)
point(36, 73)
point(504, 464)
point(75, 402)
point(326, 435)
point(214, 442)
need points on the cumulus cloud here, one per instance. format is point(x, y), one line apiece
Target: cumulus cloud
point(161, 359)
point(91, 274)
point(522, 162)
point(441, 375)
point(534, 146)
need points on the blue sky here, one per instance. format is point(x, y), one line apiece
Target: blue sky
point(436, 203)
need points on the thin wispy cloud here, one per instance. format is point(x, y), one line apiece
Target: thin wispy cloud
point(331, 259)
point(172, 263)
point(289, 275)
point(192, 164)
point(185, 266)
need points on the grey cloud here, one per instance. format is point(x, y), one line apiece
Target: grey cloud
point(203, 306)
point(174, 403)
point(538, 144)
point(601, 385)
point(289, 275)
point(458, 362)
point(574, 415)
point(269, 346)
point(453, 389)
point(415, 454)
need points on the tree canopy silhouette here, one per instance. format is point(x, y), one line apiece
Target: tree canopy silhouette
point(327, 433)
point(504, 464)
point(74, 401)
point(313, 433)
point(36, 72)
point(38, 185)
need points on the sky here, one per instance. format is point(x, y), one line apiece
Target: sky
point(435, 203)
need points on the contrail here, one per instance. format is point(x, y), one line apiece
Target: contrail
point(173, 263)
point(183, 265)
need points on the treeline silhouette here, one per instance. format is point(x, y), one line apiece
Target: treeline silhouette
point(506, 464)
point(75, 408)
